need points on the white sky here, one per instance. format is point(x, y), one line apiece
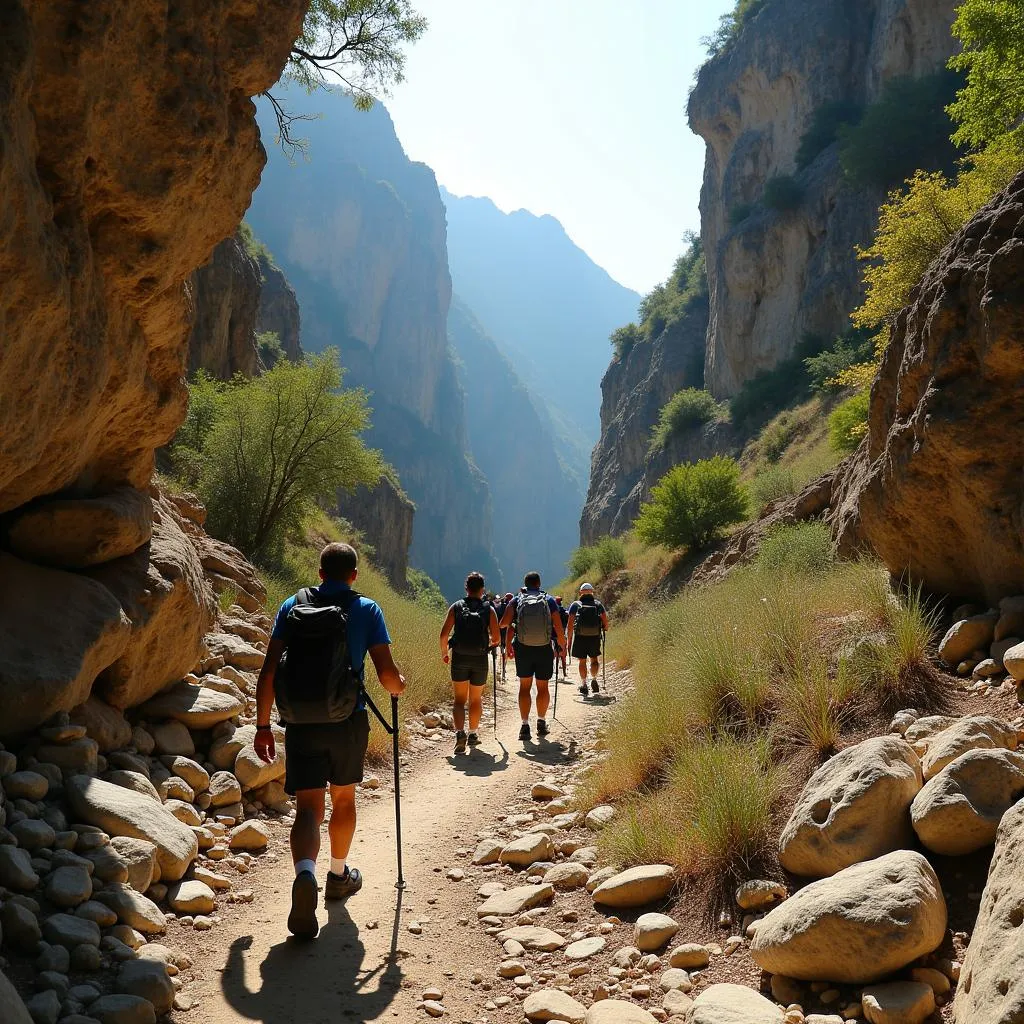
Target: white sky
point(575, 108)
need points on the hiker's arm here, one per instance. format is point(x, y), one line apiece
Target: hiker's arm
point(569, 632)
point(556, 622)
point(506, 619)
point(604, 621)
point(387, 671)
point(495, 631)
point(264, 742)
point(446, 631)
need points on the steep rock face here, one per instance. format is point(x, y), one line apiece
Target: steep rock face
point(936, 487)
point(225, 296)
point(384, 515)
point(633, 392)
point(130, 150)
point(360, 232)
point(278, 309)
point(777, 276)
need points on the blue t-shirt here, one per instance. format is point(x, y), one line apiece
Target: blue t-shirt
point(366, 627)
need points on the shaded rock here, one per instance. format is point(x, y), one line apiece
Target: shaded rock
point(979, 732)
point(44, 1007)
point(108, 864)
point(898, 1002)
point(25, 785)
point(551, 1004)
point(121, 812)
point(68, 887)
point(172, 738)
point(103, 723)
point(45, 670)
point(230, 572)
point(140, 856)
point(853, 808)
point(960, 808)
point(123, 1009)
point(184, 812)
point(599, 817)
point(16, 870)
point(132, 908)
point(197, 707)
point(733, 1004)
point(14, 1009)
point(68, 931)
point(19, 927)
point(149, 980)
point(966, 636)
point(515, 901)
point(74, 533)
point(857, 926)
point(79, 755)
point(636, 887)
point(100, 913)
point(527, 850)
point(653, 931)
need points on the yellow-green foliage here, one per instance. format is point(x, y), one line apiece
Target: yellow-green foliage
point(848, 423)
point(413, 627)
point(769, 656)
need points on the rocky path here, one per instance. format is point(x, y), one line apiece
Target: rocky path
point(376, 957)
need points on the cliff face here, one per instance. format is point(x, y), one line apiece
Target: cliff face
point(130, 149)
point(359, 230)
point(384, 516)
point(777, 276)
point(278, 309)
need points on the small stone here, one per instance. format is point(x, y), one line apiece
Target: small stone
point(191, 897)
point(599, 817)
point(759, 894)
point(553, 1005)
point(899, 1002)
point(123, 1009)
point(26, 785)
point(251, 835)
point(653, 931)
point(583, 949)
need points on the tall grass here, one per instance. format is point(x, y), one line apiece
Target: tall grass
point(413, 626)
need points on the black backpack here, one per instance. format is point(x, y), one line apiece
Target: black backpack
point(315, 682)
point(472, 634)
point(588, 619)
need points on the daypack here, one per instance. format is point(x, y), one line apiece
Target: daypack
point(315, 682)
point(472, 634)
point(533, 620)
point(588, 620)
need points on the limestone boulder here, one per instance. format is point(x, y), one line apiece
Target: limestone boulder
point(224, 789)
point(74, 533)
point(1013, 661)
point(618, 1011)
point(44, 669)
point(515, 901)
point(899, 1002)
point(196, 707)
point(170, 605)
point(960, 808)
point(853, 808)
point(192, 897)
point(140, 856)
point(652, 932)
point(103, 723)
point(636, 887)
point(733, 1004)
point(925, 729)
point(857, 926)
point(966, 636)
point(135, 781)
point(567, 875)
point(250, 835)
point(252, 771)
point(121, 812)
point(553, 1005)
point(230, 572)
point(133, 908)
point(235, 651)
point(978, 732)
point(991, 987)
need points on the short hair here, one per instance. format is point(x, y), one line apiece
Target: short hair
point(474, 583)
point(338, 561)
point(532, 580)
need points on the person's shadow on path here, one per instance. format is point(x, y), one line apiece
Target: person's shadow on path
point(479, 764)
point(318, 982)
point(549, 752)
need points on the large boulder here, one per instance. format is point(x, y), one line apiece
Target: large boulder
point(14, 1008)
point(959, 810)
point(235, 651)
point(121, 812)
point(74, 533)
point(198, 707)
point(171, 606)
point(965, 637)
point(979, 732)
point(934, 489)
point(853, 808)
point(103, 723)
point(991, 988)
point(230, 572)
point(58, 631)
point(858, 926)
point(733, 1004)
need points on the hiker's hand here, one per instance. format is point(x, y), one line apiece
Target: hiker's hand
point(266, 749)
point(510, 653)
point(396, 689)
point(445, 658)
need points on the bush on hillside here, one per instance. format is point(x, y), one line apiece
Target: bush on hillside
point(693, 504)
point(854, 348)
point(770, 391)
point(268, 344)
point(425, 591)
point(906, 129)
point(624, 339)
point(848, 422)
point(803, 548)
point(783, 193)
point(770, 485)
point(606, 556)
point(691, 407)
point(824, 129)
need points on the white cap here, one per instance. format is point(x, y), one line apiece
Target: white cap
point(587, 588)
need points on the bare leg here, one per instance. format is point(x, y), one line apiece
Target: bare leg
point(543, 698)
point(459, 711)
point(525, 698)
point(595, 667)
point(583, 670)
point(475, 707)
point(342, 826)
point(309, 815)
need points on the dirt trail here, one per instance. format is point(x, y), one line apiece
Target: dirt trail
point(366, 965)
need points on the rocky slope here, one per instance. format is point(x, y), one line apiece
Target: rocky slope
point(384, 515)
point(359, 230)
point(776, 276)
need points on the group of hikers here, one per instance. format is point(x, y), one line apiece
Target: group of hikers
point(314, 672)
point(533, 630)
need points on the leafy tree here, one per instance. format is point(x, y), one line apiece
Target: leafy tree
point(853, 348)
point(357, 43)
point(991, 103)
point(266, 451)
point(688, 408)
point(783, 193)
point(730, 25)
point(269, 345)
point(848, 422)
point(824, 129)
point(693, 504)
point(624, 339)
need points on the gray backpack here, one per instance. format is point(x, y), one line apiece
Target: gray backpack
point(533, 620)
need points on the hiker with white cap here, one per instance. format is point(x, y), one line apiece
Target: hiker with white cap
point(588, 622)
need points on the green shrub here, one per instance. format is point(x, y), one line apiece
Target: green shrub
point(609, 556)
point(269, 345)
point(770, 391)
point(624, 339)
point(740, 212)
point(255, 249)
point(783, 193)
point(803, 548)
point(824, 129)
point(691, 407)
point(425, 591)
point(906, 129)
point(848, 422)
point(770, 485)
point(580, 561)
point(855, 347)
point(693, 503)
point(730, 25)
point(776, 437)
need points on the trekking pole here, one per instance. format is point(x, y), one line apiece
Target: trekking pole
point(400, 884)
point(554, 714)
point(604, 663)
point(494, 673)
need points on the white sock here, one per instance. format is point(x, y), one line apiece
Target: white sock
point(305, 865)
point(338, 866)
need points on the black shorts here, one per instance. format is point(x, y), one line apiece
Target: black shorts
point(586, 646)
point(469, 666)
point(535, 662)
point(316, 755)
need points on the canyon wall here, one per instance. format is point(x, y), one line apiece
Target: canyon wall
point(384, 515)
point(778, 275)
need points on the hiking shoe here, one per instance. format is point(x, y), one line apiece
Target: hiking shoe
point(474, 740)
point(302, 922)
point(542, 727)
point(340, 887)
point(524, 732)
point(584, 692)
point(460, 742)
point(594, 687)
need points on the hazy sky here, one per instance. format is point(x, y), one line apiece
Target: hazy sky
point(575, 108)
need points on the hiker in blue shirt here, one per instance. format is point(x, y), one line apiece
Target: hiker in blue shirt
point(329, 753)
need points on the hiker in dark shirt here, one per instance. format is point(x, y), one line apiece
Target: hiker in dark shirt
point(588, 622)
